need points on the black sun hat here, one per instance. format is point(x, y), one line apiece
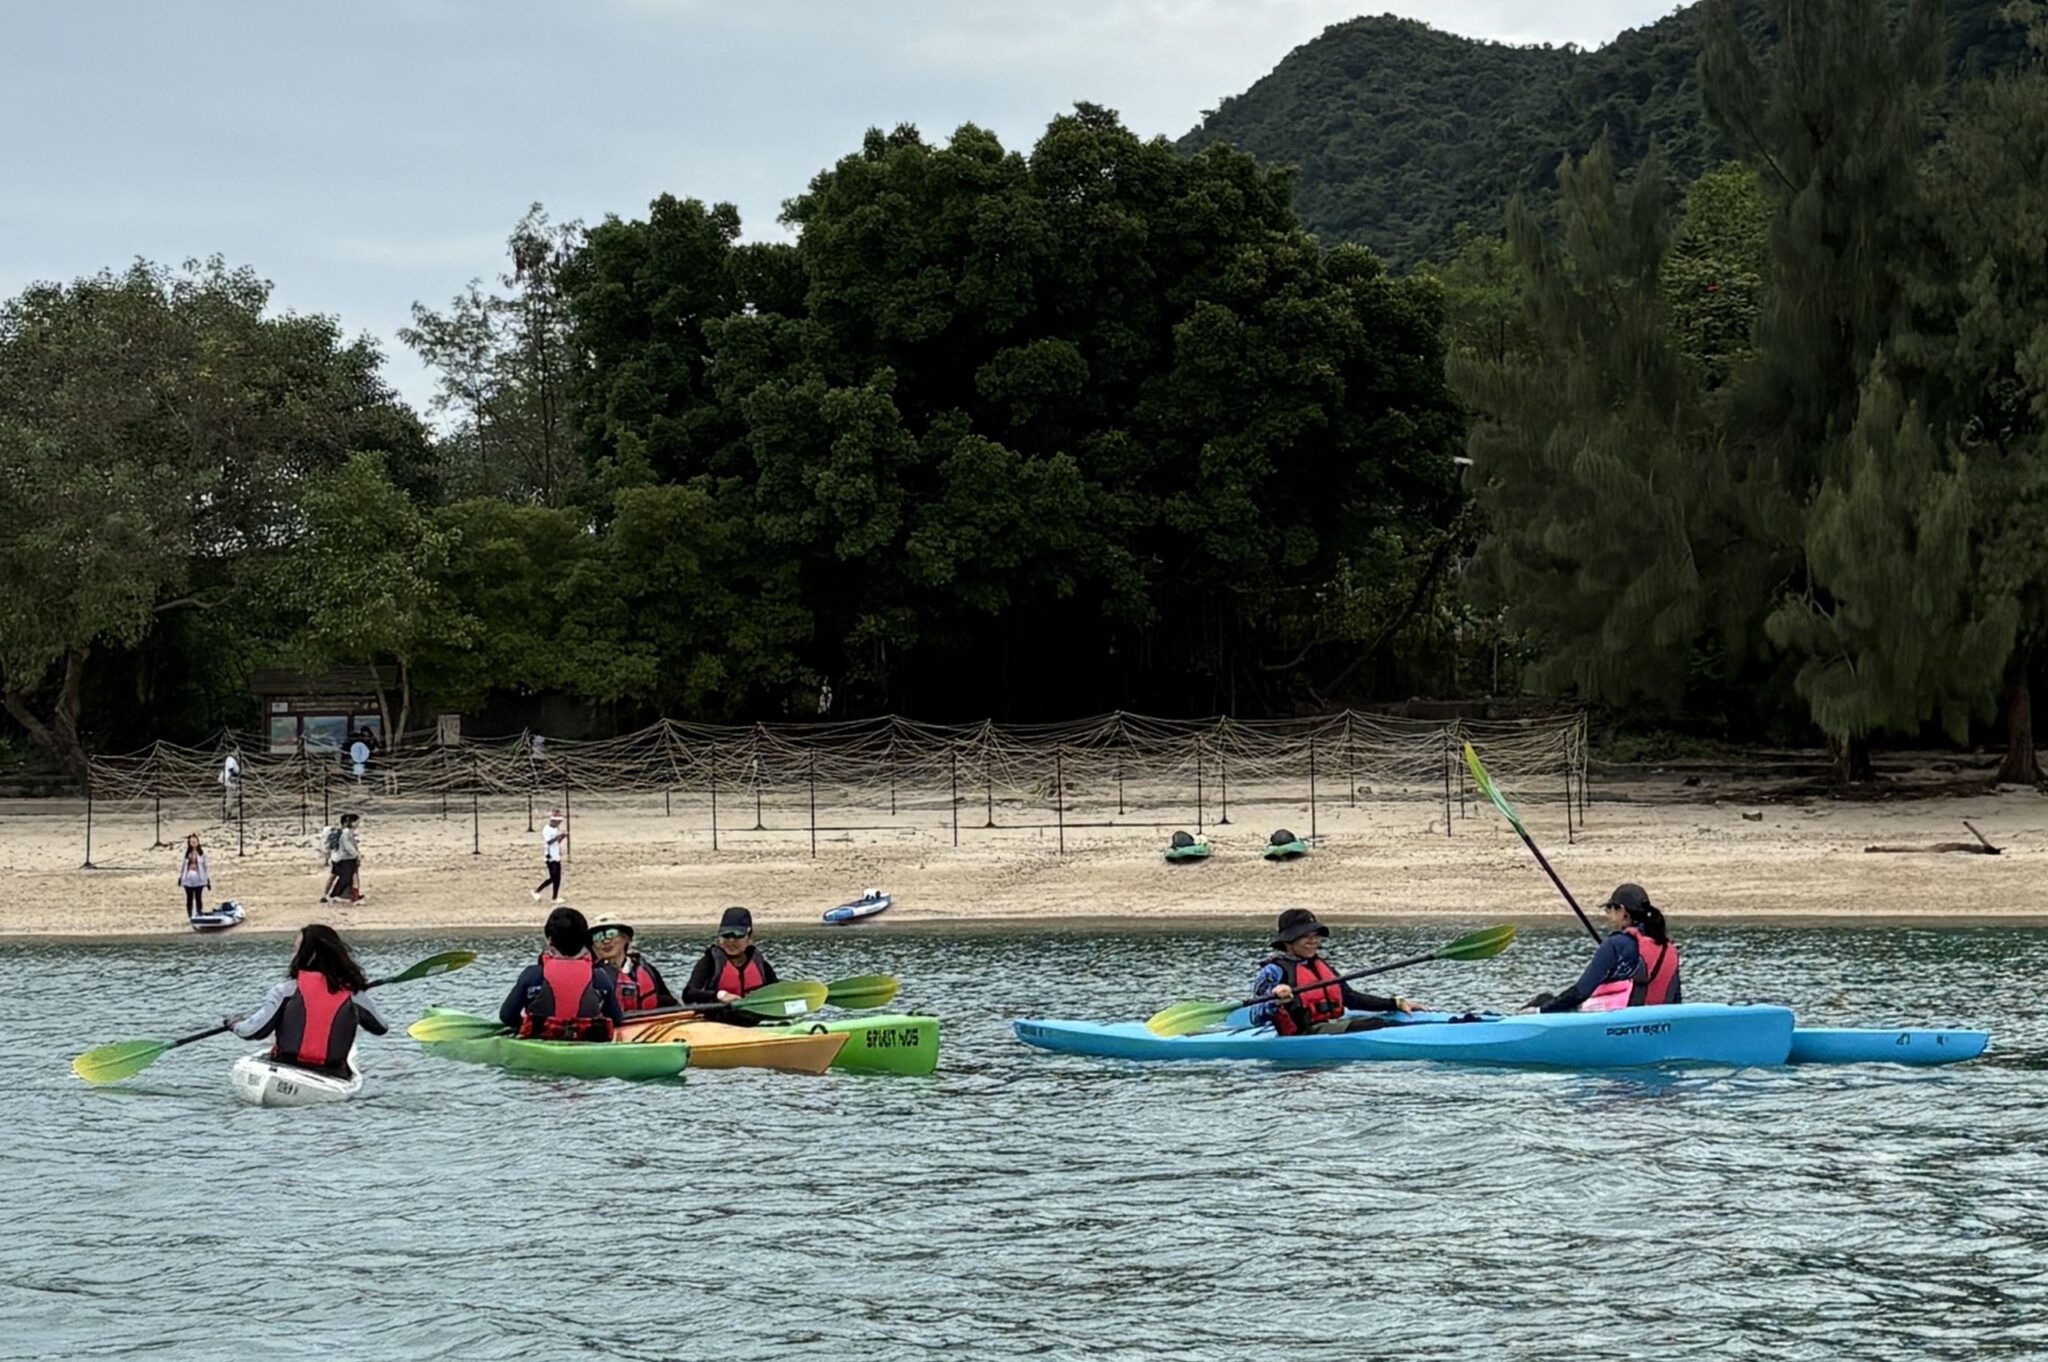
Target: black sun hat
point(1295, 924)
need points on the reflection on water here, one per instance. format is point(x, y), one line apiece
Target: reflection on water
point(1025, 1204)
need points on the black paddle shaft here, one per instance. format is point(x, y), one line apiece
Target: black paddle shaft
point(1544, 861)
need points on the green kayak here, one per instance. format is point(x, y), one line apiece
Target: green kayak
point(1285, 851)
point(570, 1059)
point(879, 1045)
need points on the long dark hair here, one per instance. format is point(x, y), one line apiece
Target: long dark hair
point(321, 950)
point(1650, 918)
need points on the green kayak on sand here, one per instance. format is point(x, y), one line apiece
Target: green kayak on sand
point(878, 1045)
point(1186, 848)
point(1283, 846)
point(567, 1058)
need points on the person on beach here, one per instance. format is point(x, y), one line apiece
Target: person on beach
point(230, 774)
point(1636, 966)
point(192, 875)
point(731, 967)
point(553, 838)
point(565, 994)
point(316, 1012)
point(1307, 995)
point(641, 987)
point(346, 858)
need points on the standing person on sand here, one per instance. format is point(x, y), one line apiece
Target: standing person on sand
point(730, 967)
point(347, 858)
point(553, 838)
point(193, 876)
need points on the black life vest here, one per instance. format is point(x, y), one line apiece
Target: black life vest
point(1318, 997)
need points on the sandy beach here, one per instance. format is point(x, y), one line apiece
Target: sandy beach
point(651, 861)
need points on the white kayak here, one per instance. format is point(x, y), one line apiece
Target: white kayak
point(229, 914)
point(867, 905)
point(261, 1081)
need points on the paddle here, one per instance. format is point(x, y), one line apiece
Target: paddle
point(1499, 801)
point(791, 999)
point(862, 990)
point(1184, 1019)
point(126, 1058)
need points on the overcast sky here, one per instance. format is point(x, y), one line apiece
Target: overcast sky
point(367, 153)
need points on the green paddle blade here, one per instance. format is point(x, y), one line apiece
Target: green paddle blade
point(1184, 1019)
point(1484, 784)
point(791, 999)
point(447, 962)
point(862, 990)
point(1483, 944)
point(122, 1059)
point(454, 1026)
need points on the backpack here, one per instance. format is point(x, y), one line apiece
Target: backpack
point(330, 841)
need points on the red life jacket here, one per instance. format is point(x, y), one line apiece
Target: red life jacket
point(636, 986)
point(316, 1027)
point(739, 979)
point(1317, 997)
point(566, 1006)
point(1657, 972)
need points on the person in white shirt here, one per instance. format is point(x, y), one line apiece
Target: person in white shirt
point(230, 772)
point(553, 838)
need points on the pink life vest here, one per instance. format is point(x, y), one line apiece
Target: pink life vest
point(1611, 996)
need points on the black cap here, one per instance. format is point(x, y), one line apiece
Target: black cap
point(1628, 896)
point(1295, 924)
point(736, 919)
point(618, 927)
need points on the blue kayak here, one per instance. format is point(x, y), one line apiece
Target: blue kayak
point(1908, 1045)
point(1689, 1033)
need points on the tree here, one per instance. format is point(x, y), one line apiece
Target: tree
point(507, 368)
point(1713, 276)
point(364, 584)
point(157, 426)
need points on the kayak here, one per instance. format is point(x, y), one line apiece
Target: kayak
point(1851, 1045)
point(262, 1081)
point(878, 1045)
point(1284, 851)
point(568, 1058)
point(1688, 1033)
point(1194, 851)
point(866, 906)
point(228, 915)
point(721, 1045)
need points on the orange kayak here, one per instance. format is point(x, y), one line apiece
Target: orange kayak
point(717, 1045)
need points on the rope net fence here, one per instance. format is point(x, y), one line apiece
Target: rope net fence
point(748, 785)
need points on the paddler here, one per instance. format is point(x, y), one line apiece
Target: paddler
point(316, 1012)
point(731, 967)
point(641, 987)
point(1307, 996)
point(565, 994)
point(1635, 966)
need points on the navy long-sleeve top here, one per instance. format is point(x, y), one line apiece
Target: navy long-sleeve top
point(530, 979)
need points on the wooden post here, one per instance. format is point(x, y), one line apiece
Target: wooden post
point(1568, 803)
point(1198, 785)
point(1311, 789)
point(240, 840)
point(159, 842)
point(954, 753)
point(1059, 795)
point(714, 798)
point(1223, 762)
point(1447, 782)
point(1351, 760)
point(88, 826)
point(476, 821)
point(814, 802)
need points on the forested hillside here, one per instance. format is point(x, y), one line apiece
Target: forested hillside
point(1401, 132)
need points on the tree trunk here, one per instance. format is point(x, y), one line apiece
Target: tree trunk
point(2022, 765)
point(57, 739)
point(1851, 760)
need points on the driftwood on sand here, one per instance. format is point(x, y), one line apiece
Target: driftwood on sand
point(1980, 847)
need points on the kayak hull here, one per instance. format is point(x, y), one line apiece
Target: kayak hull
point(1285, 851)
point(560, 1058)
point(262, 1082)
point(1185, 855)
point(1692, 1033)
point(720, 1045)
point(229, 914)
point(859, 910)
point(879, 1045)
point(1909, 1045)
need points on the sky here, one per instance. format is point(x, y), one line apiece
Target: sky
point(368, 154)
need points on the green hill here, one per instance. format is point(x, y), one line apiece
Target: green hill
point(1401, 132)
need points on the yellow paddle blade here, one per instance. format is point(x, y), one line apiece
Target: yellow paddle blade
point(1184, 1019)
point(862, 990)
point(122, 1059)
point(1483, 944)
point(437, 1026)
point(791, 999)
point(1484, 784)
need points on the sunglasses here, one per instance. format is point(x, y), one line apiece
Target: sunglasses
point(606, 935)
point(734, 936)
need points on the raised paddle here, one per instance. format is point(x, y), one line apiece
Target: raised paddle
point(1499, 801)
point(791, 999)
point(1183, 1019)
point(126, 1058)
